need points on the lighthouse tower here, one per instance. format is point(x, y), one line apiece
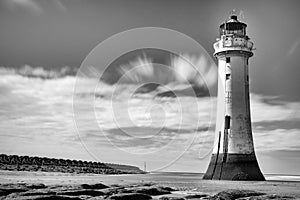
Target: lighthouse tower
point(233, 155)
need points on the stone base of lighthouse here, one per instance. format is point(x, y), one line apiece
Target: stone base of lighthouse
point(234, 167)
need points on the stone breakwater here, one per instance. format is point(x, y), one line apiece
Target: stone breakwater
point(28, 163)
point(144, 191)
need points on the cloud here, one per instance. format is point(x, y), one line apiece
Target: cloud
point(39, 72)
point(183, 69)
point(279, 139)
point(31, 6)
point(276, 124)
point(148, 137)
point(37, 118)
point(194, 69)
point(35, 7)
point(38, 109)
point(270, 108)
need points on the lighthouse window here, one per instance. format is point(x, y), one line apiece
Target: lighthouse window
point(227, 59)
point(227, 122)
point(227, 76)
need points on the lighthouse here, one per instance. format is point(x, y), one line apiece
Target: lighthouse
point(233, 155)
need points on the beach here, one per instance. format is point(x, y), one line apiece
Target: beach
point(182, 183)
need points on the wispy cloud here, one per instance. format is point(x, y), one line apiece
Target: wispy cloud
point(39, 72)
point(183, 68)
point(31, 6)
point(35, 7)
point(36, 110)
point(275, 123)
point(279, 139)
point(266, 108)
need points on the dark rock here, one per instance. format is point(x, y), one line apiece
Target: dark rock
point(235, 194)
point(195, 196)
point(116, 186)
point(266, 197)
point(4, 192)
point(131, 196)
point(42, 197)
point(36, 186)
point(94, 186)
point(151, 190)
point(92, 193)
point(54, 197)
point(37, 193)
point(111, 191)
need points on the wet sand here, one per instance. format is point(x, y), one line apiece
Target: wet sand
point(280, 185)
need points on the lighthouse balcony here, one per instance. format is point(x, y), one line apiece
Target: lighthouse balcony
point(233, 43)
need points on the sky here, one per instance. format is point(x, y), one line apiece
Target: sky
point(46, 110)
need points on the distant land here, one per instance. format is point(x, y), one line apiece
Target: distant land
point(44, 164)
